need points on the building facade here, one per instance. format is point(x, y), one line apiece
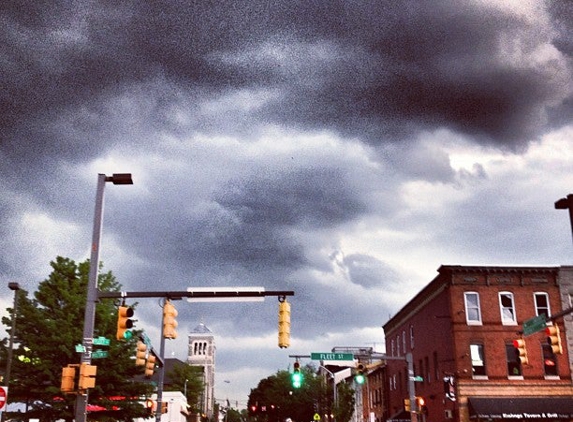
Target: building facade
point(202, 353)
point(460, 331)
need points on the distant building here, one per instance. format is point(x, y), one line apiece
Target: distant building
point(202, 353)
point(460, 330)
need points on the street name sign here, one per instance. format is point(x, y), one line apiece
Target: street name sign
point(535, 324)
point(331, 356)
point(101, 341)
point(99, 354)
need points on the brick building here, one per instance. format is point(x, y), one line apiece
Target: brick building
point(460, 330)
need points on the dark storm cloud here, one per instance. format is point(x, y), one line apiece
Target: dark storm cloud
point(372, 70)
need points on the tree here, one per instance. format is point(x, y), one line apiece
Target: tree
point(48, 327)
point(275, 399)
point(345, 404)
point(189, 380)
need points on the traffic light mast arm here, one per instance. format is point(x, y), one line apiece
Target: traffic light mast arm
point(178, 295)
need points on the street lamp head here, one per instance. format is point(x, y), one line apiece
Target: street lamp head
point(120, 179)
point(13, 286)
point(562, 204)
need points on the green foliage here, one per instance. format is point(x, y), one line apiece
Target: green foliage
point(48, 327)
point(188, 379)
point(275, 399)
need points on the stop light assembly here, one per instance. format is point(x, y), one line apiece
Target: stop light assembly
point(169, 321)
point(284, 323)
point(150, 365)
point(87, 376)
point(296, 377)
point(554, 339)
point(124, 323)
point(360, 376)
point(68, 385)
point(141, 353)
point(521, 351)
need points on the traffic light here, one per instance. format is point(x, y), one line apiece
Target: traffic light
point(421, 405)
point(284, 324)
point(124, 323)
point(359, 376)
point(150, 365)
point(68, 379)
point(164, 408)
point(87, 376)
point(169, 321)
point(140, 354)
point(554, 339)
point(296, 377)
point(407, 406)
point(521, 351)
point(150, 406)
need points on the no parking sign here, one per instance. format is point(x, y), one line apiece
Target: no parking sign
point(3, 397)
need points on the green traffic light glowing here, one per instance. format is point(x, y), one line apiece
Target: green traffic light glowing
point(296, 379)
point(127, 335)
point(359, 379)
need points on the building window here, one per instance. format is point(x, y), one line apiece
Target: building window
point(549, 361)
point(391, 347)
point(507, 308)
point(404, 341)
point(473, 312)
point(542, 304)
point(513, 362)
point(478, 361)
point(398, 345)
point(411, 337)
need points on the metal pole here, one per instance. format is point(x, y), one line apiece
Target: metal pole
point(412, 387)
point(16, 288)
point(335, 390)
point(161, 374)
point(89, 317)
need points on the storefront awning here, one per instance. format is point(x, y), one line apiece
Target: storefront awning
point(401, 416)
point(521, 408)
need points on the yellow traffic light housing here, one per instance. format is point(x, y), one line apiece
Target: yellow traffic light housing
point(169, 321)
point(87, 376)
point(151, 406)
point(150, 366)
point(407, 406)
point(521, 351)
point(284, 324)
point(359, 377)
point(554, 339)
point(68, 379)
point(164, 407)
point(140, 354)
point(124, 323)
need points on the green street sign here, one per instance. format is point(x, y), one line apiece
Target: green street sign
point(534, 325)
point(331, 356)
point(80, 348)
point(418, 379)
point(101, 341)
point(98, 354)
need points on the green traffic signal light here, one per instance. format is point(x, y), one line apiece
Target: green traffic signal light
point(296, 380)
point(359, 378)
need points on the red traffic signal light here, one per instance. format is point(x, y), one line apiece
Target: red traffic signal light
point(554, 339)
point(521, 351)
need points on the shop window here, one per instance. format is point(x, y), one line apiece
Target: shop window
point(473, 311)
point(507, 308)
point(513, 362)
point(478, 360)
point(549, 361)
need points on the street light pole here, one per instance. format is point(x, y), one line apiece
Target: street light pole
point(566, 203)
point(92, 288)
point(15, 287)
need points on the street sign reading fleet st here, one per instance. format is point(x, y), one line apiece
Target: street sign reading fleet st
point(331, 356)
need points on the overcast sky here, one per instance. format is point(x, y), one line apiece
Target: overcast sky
point(340, 149)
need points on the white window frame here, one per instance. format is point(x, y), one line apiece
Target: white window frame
point(547, 310)
point(477, 308)
point(411, 337)
point(502, 309)
point(404, 340)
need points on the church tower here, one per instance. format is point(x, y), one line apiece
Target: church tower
point(202, 353)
